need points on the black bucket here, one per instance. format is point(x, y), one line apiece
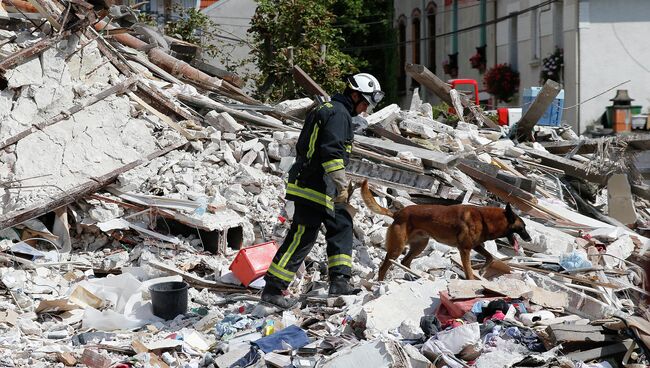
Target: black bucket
point(169, 299)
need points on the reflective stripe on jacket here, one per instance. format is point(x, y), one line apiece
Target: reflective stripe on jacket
point(324, 146)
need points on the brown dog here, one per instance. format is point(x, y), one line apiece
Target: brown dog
point(465, 227)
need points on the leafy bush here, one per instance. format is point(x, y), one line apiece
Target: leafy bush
point(502, 82)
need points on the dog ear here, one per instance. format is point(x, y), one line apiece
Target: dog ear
point(510, 214)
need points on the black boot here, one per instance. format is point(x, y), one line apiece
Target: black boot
point(340, 285)
point(273, 295)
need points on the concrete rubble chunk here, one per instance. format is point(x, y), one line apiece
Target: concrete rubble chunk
point(411, 298)
point(120, 195)
point(223, 122)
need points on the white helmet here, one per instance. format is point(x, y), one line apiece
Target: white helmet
point(368, 86)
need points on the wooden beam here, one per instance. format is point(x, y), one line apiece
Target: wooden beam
point(382, 132)
point(642, 190)
point(305, 81)
point(164, 118)
point(426, 78)
point(26, 54)
point(118, 88)
point(603, 352)
point(641, 143)
point(241, 115)
point(571, 168)
point(91, 186)
point(372, 156)
point(217, 72)
point(49, 11)
point(545, 97)
point(429, 158)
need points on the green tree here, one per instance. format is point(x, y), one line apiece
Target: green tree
point(367, 25)
point(299, 32)
point(196, 28)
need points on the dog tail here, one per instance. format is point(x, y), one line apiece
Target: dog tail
point(371, 203)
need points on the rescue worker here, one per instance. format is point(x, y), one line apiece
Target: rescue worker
point(318, 187)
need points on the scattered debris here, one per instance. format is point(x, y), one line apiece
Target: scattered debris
point(150, 171)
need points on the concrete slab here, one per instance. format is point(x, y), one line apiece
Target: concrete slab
point(620, 203)
point(410, 299)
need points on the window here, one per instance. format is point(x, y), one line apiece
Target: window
point(401, 39)
point(431, 37)
point(416, 41)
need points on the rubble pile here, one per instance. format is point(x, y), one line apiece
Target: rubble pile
point(125, 169)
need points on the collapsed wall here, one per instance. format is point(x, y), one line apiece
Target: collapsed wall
point(90, 143)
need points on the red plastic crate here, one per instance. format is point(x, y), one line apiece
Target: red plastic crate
point(252, 262)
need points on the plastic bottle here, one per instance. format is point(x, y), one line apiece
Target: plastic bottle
point(203, 205)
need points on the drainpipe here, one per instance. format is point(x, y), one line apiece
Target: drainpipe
point(483, 40)
point(454, 27)
point(424, 45)
point(494, 36)
point(577, 66)
point(538, 51)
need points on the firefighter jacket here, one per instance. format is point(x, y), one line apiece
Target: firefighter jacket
point(324, 146)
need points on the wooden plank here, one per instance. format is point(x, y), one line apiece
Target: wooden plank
point(602, 352)
point(545, 97)
point(570, 167)
point(639, 142)
point(386, 160)
point(430, 158)
point(165, 119)
point(164, 103)
point(26, 54)
point(118, 88)
point(426, 78)
point(642, 190)
point(197, 281)
point(241, 115)
point(382, 132)
point(305, 81)
point(217, 72)
point(94, 184)
point(49, 11)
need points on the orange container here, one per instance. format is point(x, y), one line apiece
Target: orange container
point(252, 262)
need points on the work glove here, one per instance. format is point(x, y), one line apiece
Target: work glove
point(339, 179)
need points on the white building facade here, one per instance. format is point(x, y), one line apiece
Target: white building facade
point(602, 42)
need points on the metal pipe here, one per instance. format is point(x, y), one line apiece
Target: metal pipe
point(454, 27)
point(170, 64)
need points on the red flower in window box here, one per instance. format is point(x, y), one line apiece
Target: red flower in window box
point(502, 81)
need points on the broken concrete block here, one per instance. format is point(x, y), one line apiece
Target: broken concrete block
point(620, 204)
point(286, 163)
point(416, 101)
point(223, 122)
point(621, 248)
point(273, 149)
point(94, 359)
point(297, 108)
point(414, 127)
point(248, 145)
point(578, 302)
point(387, 114)
point(413, 299)
point(374, 353)
point(25, 74)
point(248, 158)
point(547, 240)
point(229, 158)
point(228, 136)
point(410, 330)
